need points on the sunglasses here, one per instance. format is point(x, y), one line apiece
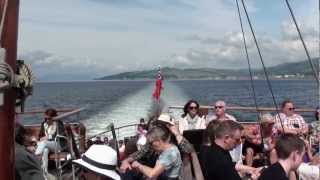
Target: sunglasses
point(193, 107)
point(219, 107)
point(291, 109)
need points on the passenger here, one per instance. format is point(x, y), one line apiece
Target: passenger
point(142, 137)
point(308, 172)
point(220, 113)
point(146, 150)
point(190, 118)
point(290, 151)
point(50, 137)
point(142, 124)
point(269, 133)
point(253, 149)
point(315, 131)
point(131, 147)
point(209, 132)
point(101, 161)
point(105, 140)
point(241, 169)
point(218, 161)
point(27, 166)
point(99, 140)
point(122, 148)
point(208, 139)
point(292, 123)
point(168, 165)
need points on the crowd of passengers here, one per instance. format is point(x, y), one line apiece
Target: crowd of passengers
point(283, 146)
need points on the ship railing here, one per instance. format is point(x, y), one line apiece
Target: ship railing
point(244, 114)
point(64, 115)
point(119, 131)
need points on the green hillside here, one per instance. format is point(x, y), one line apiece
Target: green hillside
point(301, 69)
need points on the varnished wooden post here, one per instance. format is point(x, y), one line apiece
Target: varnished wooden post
point(9, 42)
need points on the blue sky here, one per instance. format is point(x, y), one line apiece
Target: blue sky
point(83, 39)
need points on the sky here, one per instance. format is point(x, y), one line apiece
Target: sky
point(85, 39)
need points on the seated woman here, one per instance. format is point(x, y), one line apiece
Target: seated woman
point(49, 137)
point(269, 133)
point(169, 163)
point(191, 119)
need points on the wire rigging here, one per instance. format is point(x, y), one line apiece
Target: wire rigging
point(263, 65)
point(315, 73)
point(247, 56)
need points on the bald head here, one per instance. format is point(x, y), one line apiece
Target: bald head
point(220, 108)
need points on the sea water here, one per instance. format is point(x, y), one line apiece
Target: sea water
point(125, 102)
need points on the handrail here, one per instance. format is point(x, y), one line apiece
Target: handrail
point(109, 130)
point(249, 109)
point(42, 110)
point(67, 114)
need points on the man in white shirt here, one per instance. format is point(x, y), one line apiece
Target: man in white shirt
point(292, 123)
point(220, 112)
point(221, 115)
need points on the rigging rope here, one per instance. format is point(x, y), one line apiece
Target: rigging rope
point(251, 80)
point(263, 65)
point(3, 17)
point(315, 73)
point(247, 56)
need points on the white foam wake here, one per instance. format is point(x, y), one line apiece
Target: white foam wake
point(132, 108)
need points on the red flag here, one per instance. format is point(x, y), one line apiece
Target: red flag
point(158, 86)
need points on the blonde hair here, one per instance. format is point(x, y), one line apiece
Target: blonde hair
point(267, 117)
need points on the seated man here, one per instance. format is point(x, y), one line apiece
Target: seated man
point(220, 113)
point(27, 166)
point(289, 122)
point(169, 162)
point(290, 150)
point(206, 148)
point(218, 164)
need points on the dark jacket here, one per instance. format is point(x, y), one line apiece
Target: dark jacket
point(60, 131)
point(218, 164)
point(27, 165)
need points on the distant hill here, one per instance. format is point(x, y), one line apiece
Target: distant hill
point(302, 67)
point(287, 70)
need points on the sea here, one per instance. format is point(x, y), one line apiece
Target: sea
point(125, 102)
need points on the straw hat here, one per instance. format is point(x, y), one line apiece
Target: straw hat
point(166, 118)
point(101, 159)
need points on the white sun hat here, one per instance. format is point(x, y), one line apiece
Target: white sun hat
point(101, 159)
point(164, 117)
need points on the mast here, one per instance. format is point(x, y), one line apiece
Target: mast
point(9, 42)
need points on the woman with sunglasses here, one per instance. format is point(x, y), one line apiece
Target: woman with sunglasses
point(51, 137)
point(190, 118)
point(289, 122)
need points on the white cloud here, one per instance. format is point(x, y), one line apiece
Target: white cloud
point(104, 37)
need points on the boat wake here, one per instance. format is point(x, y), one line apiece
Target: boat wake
point(132, 108)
